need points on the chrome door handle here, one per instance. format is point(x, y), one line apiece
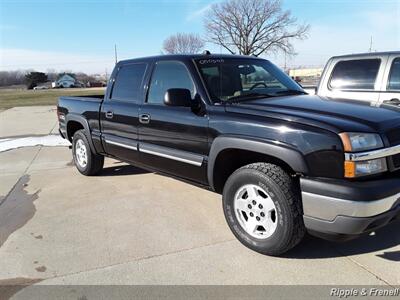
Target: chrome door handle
point(109, 115)
point(144, 118)
point(394, 101)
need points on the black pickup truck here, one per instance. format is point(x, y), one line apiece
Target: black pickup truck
point(285, 162)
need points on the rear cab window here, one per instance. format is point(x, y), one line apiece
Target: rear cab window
point(394, 76)
point(128, 83)
point(358, 74)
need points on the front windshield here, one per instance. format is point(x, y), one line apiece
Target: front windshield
point(237, 78)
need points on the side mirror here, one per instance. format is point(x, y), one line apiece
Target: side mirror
point(178, 97)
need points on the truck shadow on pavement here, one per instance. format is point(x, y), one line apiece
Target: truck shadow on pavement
point(312, 247)
point(122, 170)
point(384, 238)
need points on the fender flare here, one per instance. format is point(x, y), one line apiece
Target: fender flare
point(290, 156)
point(81, 120)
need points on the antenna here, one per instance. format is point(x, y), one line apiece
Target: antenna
point(115, 53)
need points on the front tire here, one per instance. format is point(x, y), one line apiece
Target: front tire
point(87, 162)
point(262, 207)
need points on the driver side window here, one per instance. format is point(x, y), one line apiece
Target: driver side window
point(168, 75)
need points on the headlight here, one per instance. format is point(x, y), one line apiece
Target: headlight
point(359, 141)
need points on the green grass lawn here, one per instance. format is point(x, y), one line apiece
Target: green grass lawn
point(18, 97)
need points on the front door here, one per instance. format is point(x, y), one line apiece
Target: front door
point(120, 111)
point(172, 139)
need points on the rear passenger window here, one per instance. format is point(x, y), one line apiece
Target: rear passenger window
point(355, 74)
point(394, 79)
point(168, 75)
point(128, 82)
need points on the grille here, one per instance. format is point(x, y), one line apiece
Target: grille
point(394, 136)
point(396, 160)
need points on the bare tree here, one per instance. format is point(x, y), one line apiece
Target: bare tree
point(253, 27)
point(182, 43)
point(8, 78)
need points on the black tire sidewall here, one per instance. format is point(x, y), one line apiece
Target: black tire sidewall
point(273, 244)
point(79, 135)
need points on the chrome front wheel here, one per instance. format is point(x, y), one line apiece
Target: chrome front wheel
point(255, 211)
point(262, 207)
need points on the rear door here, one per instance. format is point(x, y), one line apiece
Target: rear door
point(354, 78)
point(173, 139)
point(120, 111)
point(391, 81)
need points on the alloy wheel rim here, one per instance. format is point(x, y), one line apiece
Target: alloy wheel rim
point(255, 211)
point(81, 153)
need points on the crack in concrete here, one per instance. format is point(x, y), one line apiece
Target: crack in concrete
point(371, 272)
point(33, 159)
point(361, 266)
point(55, 124)
point(139, 259)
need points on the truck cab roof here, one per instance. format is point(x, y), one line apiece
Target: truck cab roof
point(366, 54)
point(181, 57)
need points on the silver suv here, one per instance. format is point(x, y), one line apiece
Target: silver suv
point(370, 77)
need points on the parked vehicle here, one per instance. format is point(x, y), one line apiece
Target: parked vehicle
point(370, 77)
point(40, 87)
point(285, 162)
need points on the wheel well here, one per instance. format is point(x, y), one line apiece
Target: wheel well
point(230, 160)
point(72, 127)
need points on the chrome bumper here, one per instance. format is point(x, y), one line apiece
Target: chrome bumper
point(347, 209)
point(328, 208)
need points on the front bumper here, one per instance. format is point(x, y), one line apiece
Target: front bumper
point(343, 209)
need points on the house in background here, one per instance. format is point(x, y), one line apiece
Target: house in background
point(66, 81)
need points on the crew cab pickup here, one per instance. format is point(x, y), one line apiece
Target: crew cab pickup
point(285, 162)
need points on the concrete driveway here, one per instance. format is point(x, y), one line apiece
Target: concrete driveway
point(128, 226)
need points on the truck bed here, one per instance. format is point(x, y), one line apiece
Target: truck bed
point(79, 105)
point(87, 107)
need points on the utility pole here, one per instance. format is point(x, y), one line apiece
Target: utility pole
point(115, 53)
point(285, 67)
point(370, 45)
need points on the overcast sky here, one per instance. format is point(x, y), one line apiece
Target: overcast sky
point(79, 35)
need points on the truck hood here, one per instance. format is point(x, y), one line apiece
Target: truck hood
point(334, 115)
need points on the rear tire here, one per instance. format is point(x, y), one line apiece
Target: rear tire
point(262, 207)
point(87, 162)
